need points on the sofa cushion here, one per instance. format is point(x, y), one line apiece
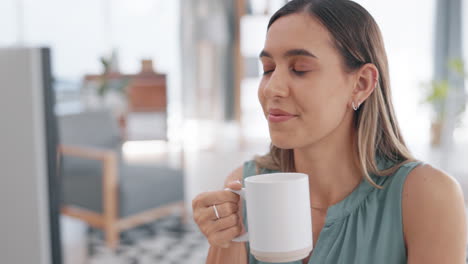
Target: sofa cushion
point(147, 187)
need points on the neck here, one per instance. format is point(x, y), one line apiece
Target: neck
point(332, 168)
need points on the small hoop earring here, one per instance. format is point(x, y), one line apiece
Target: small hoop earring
point(354, 107)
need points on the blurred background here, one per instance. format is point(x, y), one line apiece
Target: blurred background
point(116, 114)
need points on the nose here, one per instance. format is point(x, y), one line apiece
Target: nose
point(276, 86)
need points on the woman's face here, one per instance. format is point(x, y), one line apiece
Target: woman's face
point(305, 91)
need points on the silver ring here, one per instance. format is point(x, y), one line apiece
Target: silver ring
point(216, 211)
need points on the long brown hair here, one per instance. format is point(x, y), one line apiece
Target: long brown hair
point(357, 38)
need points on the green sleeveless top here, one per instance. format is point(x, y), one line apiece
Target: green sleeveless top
point(364, 228)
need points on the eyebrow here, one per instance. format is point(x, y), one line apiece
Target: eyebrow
point(289, 53)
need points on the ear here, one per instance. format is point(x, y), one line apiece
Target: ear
point(367, 78)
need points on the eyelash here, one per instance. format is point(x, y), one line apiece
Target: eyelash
point(267, 72)
point(298, 73)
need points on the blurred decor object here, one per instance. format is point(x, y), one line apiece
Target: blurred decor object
point(147, 104)
point(147, 90)
point(108, 80)
point(125, 94)
point(436, 96)
point(108, 89)
point(448, 47)
point(100, 188)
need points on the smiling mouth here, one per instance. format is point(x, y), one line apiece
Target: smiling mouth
point(280, 118)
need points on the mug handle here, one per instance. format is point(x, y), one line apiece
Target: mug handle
point(244, 237)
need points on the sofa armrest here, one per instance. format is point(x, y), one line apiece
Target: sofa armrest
point(109, 177)
point(86, 152)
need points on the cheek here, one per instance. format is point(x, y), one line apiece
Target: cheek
point(309, 99)
point(261, 97)
point(322, 108)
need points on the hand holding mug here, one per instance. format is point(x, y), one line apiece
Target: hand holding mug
point(217, 215)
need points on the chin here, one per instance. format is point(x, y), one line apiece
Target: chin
point(283, 141)
point(295, 140)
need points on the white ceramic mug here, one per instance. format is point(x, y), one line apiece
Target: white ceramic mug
point(279, 221)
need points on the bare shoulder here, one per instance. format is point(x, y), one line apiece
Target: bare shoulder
point(428, 182)
point(235, 175)
point(434, 221)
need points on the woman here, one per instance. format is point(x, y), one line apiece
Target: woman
point(326, 95)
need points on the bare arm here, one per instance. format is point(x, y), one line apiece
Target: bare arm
point(236, 253)
point(434, 218)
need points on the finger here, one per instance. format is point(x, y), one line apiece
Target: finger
point(218, 197)
point(224, 210)
point(235, 185)
point(223, 224)
point(206, 199)
point(223, 238)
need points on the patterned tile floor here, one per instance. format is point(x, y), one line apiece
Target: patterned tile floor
point(165, 241)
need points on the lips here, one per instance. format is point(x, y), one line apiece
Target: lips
point(277, 115)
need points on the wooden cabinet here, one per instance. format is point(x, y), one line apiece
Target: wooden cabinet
point(147, 92)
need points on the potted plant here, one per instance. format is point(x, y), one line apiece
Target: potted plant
point(436, 96)
point(106, 89)
point(111, 79)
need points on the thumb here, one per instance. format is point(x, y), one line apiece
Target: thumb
point(234, 185)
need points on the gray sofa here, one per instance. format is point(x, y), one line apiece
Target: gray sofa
point(103, 190)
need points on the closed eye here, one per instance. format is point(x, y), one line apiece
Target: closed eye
point(299, 73)
point(267, 72)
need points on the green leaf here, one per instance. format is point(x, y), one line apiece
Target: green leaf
point(458, 66)
point(438, 91)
